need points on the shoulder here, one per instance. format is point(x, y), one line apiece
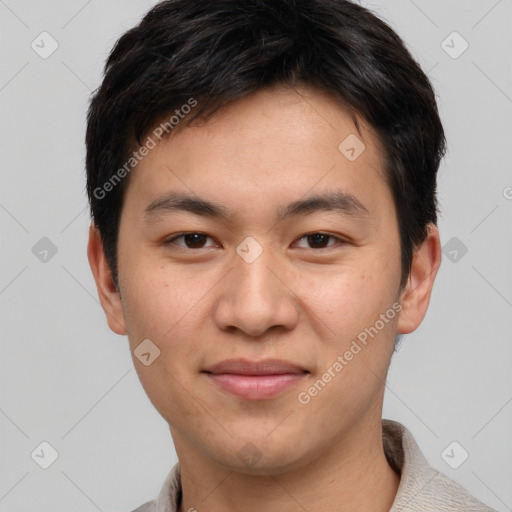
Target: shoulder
point(421, 486)
point(437, 493)
point(446, 495)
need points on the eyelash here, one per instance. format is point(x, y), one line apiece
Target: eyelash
point(171, 240)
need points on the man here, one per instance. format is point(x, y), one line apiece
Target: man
point(262, 180)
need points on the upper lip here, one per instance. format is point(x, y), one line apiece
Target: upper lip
point(263, 367)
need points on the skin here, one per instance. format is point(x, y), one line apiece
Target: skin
point(300, 300)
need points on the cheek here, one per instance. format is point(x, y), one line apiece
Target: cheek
point(169, 305)
point(153, 297)
point(156, 303)
point(351, 297)
point(165, 309)
point(356, 353)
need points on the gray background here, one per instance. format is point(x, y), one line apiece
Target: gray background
point(67, 380)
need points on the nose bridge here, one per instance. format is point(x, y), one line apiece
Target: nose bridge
point(253, 299)
point(254, 279)
point(255, 286)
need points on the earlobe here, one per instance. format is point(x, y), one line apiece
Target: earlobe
point(415, 297)
point(108, 294)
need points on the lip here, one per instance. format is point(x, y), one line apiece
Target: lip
point(255, 380)
point(263, 367)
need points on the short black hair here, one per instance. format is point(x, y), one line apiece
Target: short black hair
point(207, 54)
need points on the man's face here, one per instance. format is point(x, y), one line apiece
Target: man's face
point(254, 284)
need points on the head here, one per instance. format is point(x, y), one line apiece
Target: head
point(300, 143)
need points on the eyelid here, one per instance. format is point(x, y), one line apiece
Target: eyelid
point(171, 241)
point(329, 235)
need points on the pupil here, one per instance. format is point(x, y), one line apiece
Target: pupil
point(318, 238)
point(194, 239)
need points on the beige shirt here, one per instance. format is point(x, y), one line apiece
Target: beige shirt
point(421, 489)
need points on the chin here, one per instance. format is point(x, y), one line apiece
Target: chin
point(261, 456)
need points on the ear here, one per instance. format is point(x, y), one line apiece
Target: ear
point(416, 295)
point(107, 292)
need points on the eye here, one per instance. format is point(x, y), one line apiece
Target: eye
point(318, 240)
point(196, 240)
point(191, 240)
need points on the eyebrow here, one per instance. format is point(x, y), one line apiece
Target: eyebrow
point(338, 201)
point(341, 202)
point(175, 201)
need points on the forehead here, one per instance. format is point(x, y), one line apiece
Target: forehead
point(273, 145)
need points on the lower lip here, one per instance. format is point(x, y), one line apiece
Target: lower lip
point(256, 387)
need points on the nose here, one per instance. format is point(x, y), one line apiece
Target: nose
point(255, 297)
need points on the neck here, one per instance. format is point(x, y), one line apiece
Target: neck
point(353, 476)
